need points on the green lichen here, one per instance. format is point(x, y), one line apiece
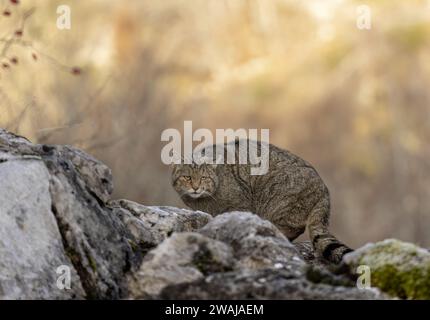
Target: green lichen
point(405, 284)
point(203, 261)
point(398, 268)
point(93, 263)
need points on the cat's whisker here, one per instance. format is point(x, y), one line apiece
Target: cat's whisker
point(210, 195)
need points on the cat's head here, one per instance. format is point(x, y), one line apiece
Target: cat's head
point(194, 181)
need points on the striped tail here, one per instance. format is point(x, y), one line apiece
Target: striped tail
point(330, 248)
point(325, 244)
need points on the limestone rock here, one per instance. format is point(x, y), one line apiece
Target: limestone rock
point(399, 268)
point(31, 248)
point(154, 224)
point(256, 242)
point(56, 195)
point(263, 284)
point(183, 257)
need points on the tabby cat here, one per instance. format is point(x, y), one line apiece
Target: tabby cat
point(291, 194)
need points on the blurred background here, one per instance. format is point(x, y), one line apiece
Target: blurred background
point(355, 103)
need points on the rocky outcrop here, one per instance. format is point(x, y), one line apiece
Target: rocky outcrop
point(56, 197)
point(58, 222)
point(237, 255)
point(56, 211)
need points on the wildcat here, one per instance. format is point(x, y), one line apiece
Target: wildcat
point(291, 194)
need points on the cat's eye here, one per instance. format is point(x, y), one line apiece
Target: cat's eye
point(203, 178)
point(188, 178)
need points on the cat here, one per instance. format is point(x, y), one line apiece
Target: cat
point(291, 194)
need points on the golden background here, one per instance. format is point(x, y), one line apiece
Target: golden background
point(354, 103)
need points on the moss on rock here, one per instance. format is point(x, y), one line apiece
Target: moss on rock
point(399, 268)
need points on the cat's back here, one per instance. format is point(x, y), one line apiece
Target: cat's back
point(246, 152)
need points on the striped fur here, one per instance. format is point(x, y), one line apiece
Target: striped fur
point(291, 195)
point(324, 243)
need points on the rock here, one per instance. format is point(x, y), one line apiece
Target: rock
point(31, 247)
point(266, 266)
point(97, 177)
point(58, 201)
point(183, 257)
point(143, 238)
point(101, 240)
point(151, 224)
point(13, 144)
point(95, 240)
point(399, 268)
point(256, 242)
point(262, 284)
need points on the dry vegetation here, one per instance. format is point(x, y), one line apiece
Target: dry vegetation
point(354, 103)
